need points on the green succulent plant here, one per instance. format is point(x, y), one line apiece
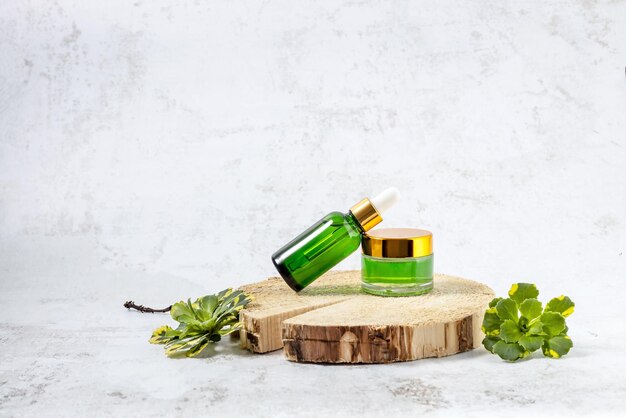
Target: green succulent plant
point(201, 322)
point(518, 325)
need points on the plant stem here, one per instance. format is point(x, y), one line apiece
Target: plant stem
point(144, 309)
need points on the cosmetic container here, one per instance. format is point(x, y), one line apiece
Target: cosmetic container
point(397, 262)
point(329, 240)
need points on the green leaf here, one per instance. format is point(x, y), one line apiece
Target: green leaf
point(553, 323)
point(208, 325)
point(521, 291)
point(535, 328)
point(192, 330)
point(523, 324)
point(224, 293)
point(562, 304)
point(198, 348)
point(231, 302)
point(208, 303)
point(180, 347)
point(163, 335)
point(530, 308)
point(182, 312)
point(494, 301)
point(508, 351)
point(530, 343)
point(510, 332)
point(557, 347)
point(489, 342)
point(507, 309)
point(194, 309)
point(491, 322)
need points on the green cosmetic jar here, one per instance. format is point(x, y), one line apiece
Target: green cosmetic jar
point(397, 262)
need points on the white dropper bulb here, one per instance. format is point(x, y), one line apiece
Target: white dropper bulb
point(385, 200)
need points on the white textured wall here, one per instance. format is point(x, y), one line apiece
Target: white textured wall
point(195, 138)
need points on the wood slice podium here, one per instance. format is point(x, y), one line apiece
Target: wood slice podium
point(332, 321)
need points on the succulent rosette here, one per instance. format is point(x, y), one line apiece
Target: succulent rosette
point(202, 322)
point(516, 326)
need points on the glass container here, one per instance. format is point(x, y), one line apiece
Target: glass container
point(329, 240)
point(397, 262)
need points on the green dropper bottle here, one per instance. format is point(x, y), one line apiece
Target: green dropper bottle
point(330, 240)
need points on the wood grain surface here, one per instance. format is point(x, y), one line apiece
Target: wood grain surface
point(332, 321)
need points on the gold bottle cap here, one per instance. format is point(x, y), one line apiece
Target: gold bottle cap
point(366, 214)
point(397, 243)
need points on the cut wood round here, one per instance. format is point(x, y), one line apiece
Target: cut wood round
point(332, 321)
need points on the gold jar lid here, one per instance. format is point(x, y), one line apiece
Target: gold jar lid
point(397, 243)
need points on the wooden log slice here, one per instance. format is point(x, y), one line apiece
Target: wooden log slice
point(333, 322)
point(275, 302)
